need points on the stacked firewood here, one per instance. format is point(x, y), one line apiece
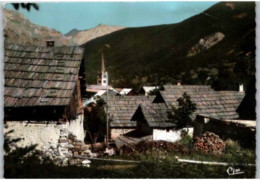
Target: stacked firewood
point(153, 146)
point(209, 143)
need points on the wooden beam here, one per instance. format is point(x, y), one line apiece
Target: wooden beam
point(212, 163)
point(105, 159)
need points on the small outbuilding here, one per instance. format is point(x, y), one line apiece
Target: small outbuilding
point(120, 111)
point(152, 119)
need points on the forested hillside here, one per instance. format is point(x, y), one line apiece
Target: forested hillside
point(216, 47)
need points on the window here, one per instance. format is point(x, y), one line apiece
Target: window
point(104, 76)
point(104, 81)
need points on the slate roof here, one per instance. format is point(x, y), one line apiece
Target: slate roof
point(210, 103)
point(156, 115)
point(124, 140)
point(96, 88)
point(187, 88)
point(40, 76)
point(122, 108)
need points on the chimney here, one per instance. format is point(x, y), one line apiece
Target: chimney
point(241, 87)
point(50, 43)
point(178, 82)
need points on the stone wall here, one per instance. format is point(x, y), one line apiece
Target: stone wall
point(67, 149)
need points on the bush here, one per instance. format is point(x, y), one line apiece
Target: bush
point(181, 116)
point(95, 121)
point(235, 153)
point(186, 140)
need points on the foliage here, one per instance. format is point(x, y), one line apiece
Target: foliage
point(234, 152)
point(182, 115)
point(17, 158)
point(186, 139)
point(26, 6)
point(152, 165)
point(95, 120)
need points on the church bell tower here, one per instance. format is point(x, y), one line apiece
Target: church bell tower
point(103, 75)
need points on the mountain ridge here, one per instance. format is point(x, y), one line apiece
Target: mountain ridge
point(83, 36)
point(159, 54)
point(18, 29)
point(72, 32)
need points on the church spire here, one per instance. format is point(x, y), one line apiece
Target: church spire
point(103, 64)
point(102, 78)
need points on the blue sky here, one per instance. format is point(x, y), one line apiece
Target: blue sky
point(84, 15)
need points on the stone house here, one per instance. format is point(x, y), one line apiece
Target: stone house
point(42, 93)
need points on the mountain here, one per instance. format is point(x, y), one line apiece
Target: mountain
point(73, 32)
point(83, 36)
point(20, 30)
point(215, 47)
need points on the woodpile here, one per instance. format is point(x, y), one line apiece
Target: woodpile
point(154, 146)
point(209, 143)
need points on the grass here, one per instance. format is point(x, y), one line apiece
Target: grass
point(155, 164)
point(150, 167)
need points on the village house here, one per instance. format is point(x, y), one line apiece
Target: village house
point(153, 118)
point(211, 103)
point(127, 92)
point(42, 94)
point(120, 111)
point(145, 90)
point(241, 128)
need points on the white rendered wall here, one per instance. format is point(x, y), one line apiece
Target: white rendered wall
point(169, 136)
point(76, 127)
point(32, 133)
point(43, 133)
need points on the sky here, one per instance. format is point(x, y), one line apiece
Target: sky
point(85, 15)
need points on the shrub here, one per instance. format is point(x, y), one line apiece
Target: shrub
point(182, 115)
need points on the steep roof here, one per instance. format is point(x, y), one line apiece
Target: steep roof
point(210, 103)
point(40, 76)
point(125, 91)
point(96, 88)
point(187, 88)
point(122, 108)
point(156, 115)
